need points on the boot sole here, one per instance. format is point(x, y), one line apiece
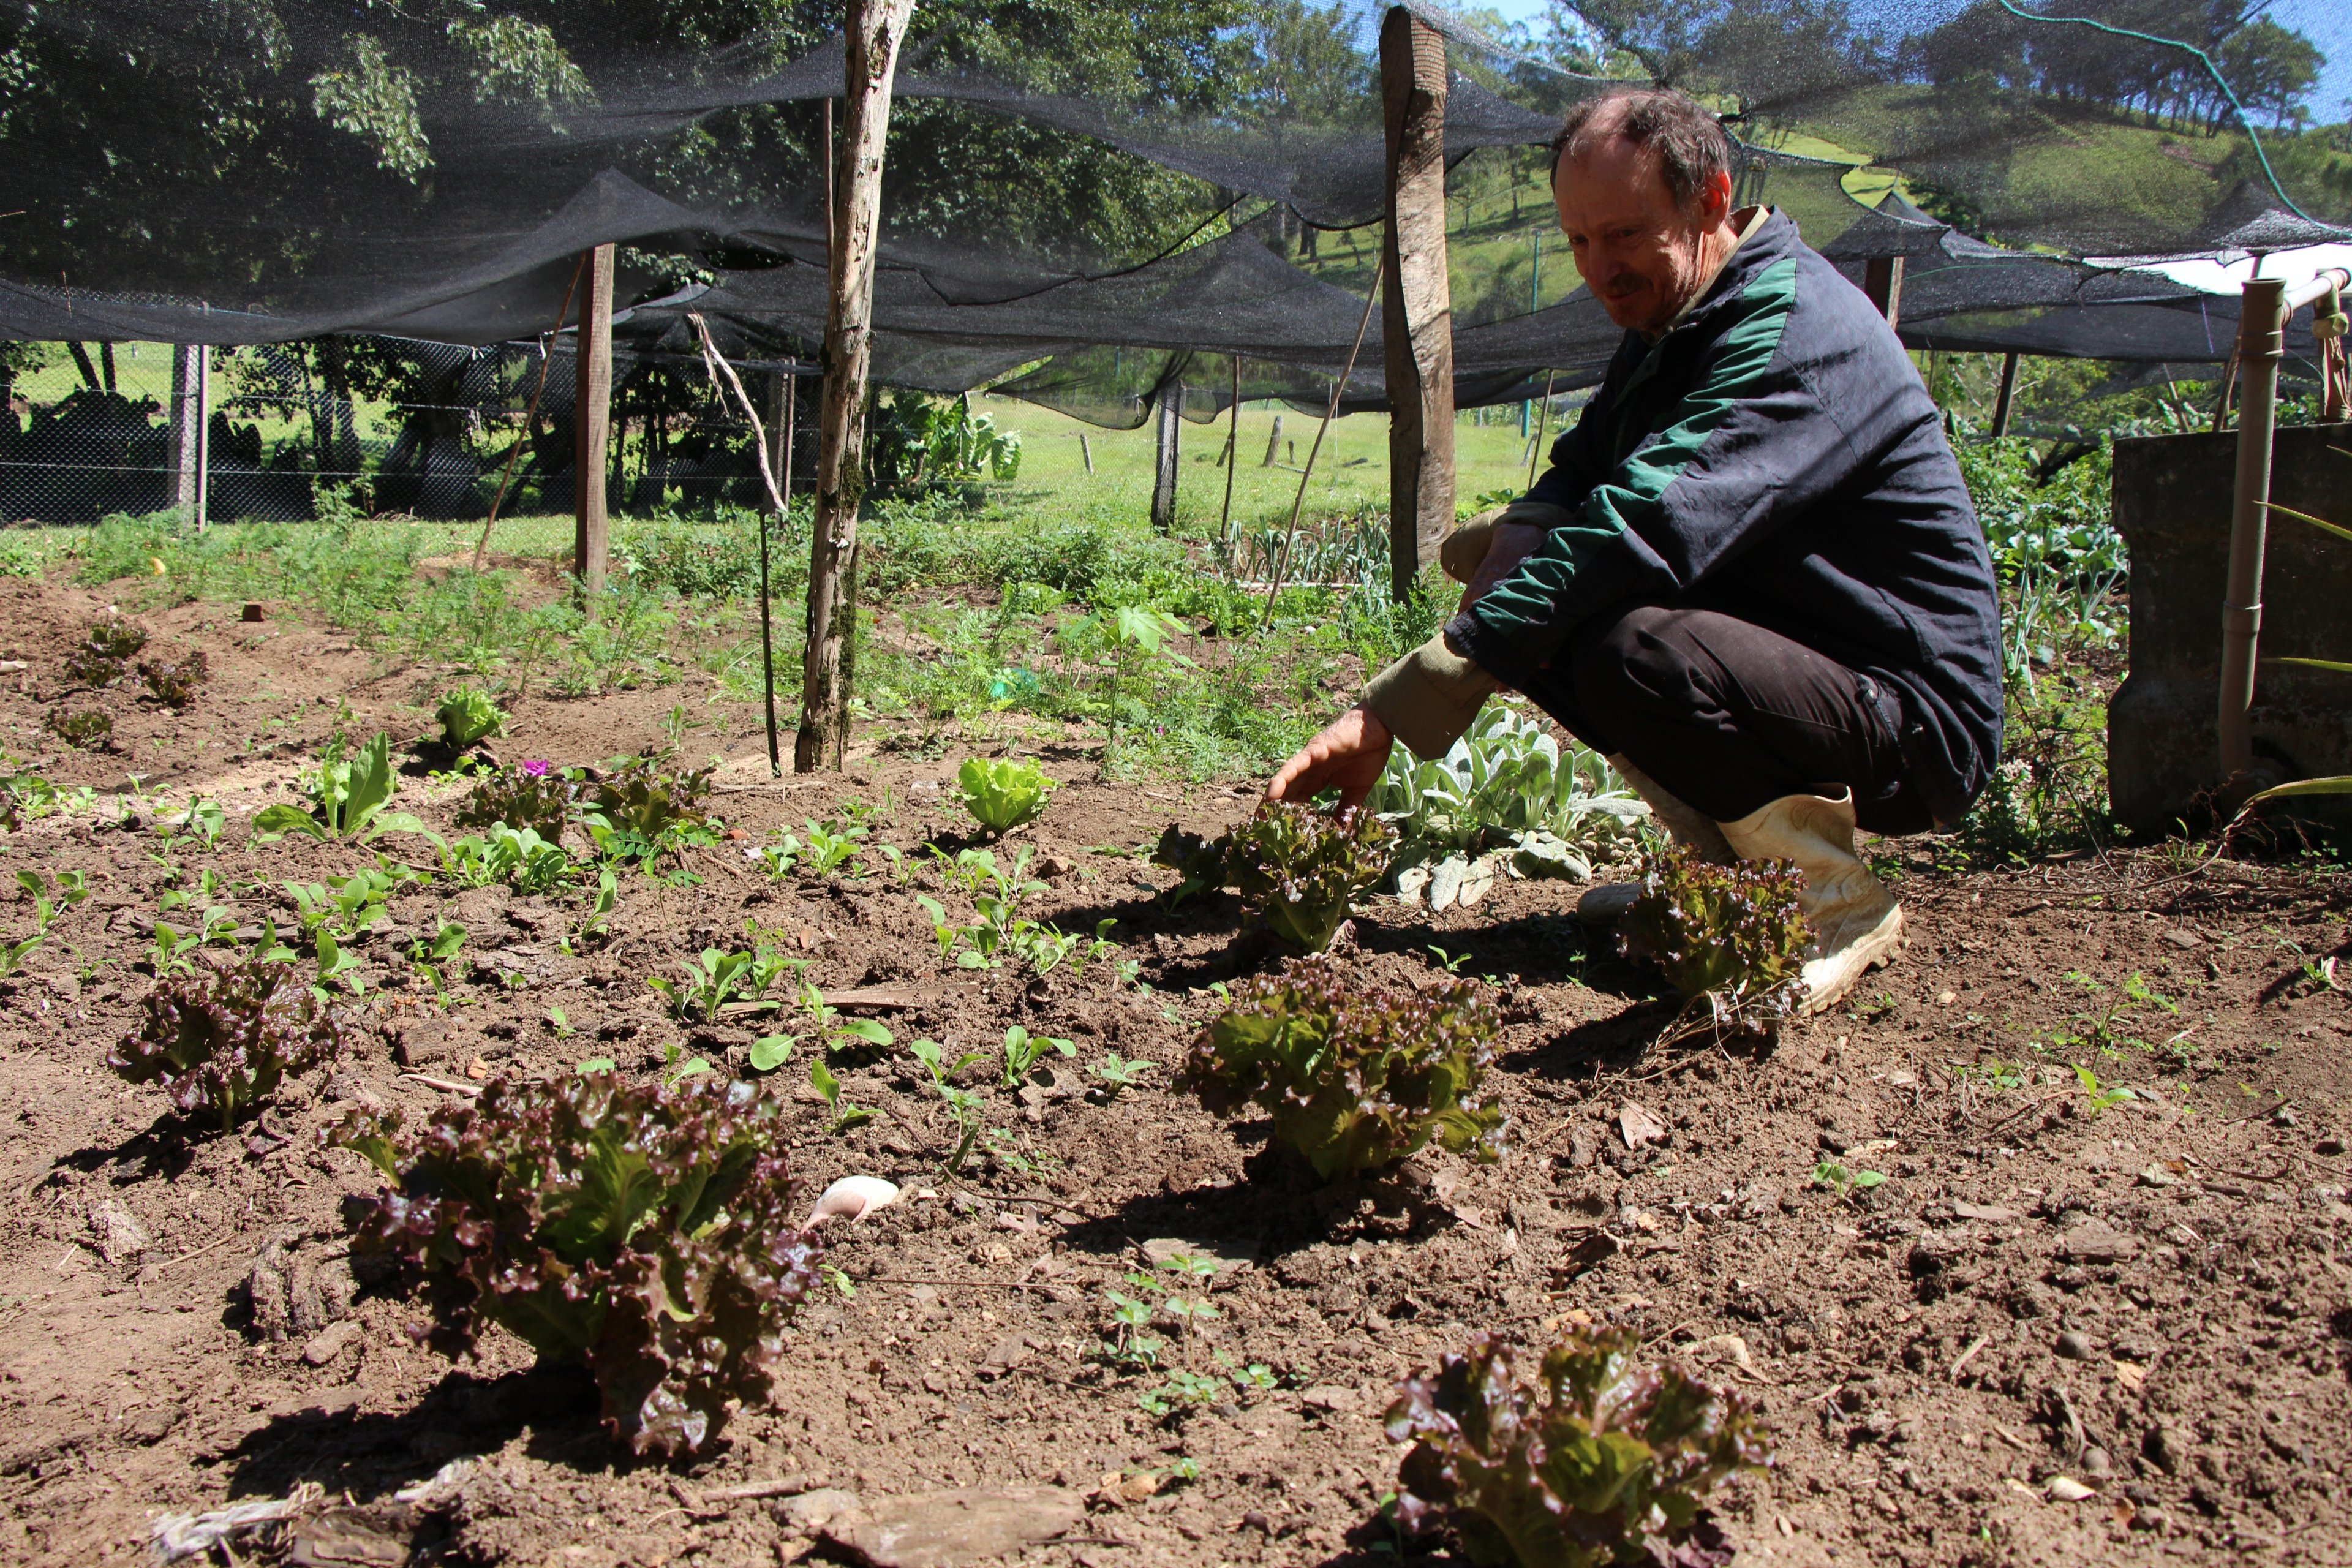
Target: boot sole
point(1875, 950)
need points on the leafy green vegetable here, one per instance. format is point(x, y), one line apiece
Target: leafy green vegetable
point(1024, 1051)
point(1297, 871)
point(540, 800)
point(469, 716)
point(1199, 864)
point(219, 1043)
point(1509, 794)
point(348, 796)
point(1598, 1461)
point(1733, 934)
point(644, 1229)
point(649, 805)
point(1356, 1076)
point(1000, 793)
point(174, 682)
point(92, 728)
point(513, 855)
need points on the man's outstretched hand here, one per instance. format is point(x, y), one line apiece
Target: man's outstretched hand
point(1346, 756)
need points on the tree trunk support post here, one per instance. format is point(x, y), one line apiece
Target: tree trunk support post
point(1417, 316)
point(874, 30)
point(2003, 400)
point(1167, 426)
point(2267, 303)
point(1882, 280)
point(781, 395)
point(591, 417)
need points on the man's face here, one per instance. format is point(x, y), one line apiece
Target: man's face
point(1641, 252)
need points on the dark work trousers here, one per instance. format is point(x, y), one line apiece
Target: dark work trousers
point(1730, 717)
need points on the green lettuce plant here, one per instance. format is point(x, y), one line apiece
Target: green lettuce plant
point(91, 730)
point(468, 717)
point(646, 804)
point(348, 796)
point(105, 651)
point(220, 1043)
point(1733, 934)
point(1508, 797)
point(641, 1229)
point(1598, 1460)
point(1356, 1076)
point(1298, 872)
point(1000, 793)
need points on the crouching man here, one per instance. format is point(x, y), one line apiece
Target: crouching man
point(1752, 576)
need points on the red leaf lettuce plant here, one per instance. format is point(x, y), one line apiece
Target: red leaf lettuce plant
point(1732, 934)
point(220, 1043)
point(1296, 870)
point(1356, 1076)
point(1598, 1461)
point(643, 1229)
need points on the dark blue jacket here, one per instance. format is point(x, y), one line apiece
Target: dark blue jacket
point(1773, 457)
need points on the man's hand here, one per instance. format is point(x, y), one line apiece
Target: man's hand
point(1513, 542)
point(1348, 756)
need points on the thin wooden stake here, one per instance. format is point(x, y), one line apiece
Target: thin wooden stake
point(1299, 504)
point(530, 419)
point(1233, 451)
point(1543, 417)
point(592, 415)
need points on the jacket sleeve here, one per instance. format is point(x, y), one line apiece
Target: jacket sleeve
point(1747, 446)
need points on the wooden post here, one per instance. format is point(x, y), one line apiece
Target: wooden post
point(1233, 457)
point(591, 417)
point(874, 30)
point(1417, 315)
point(1087, 451)
point(1273, 441)
point(2000, 404)
point(1882, 280)
point(1163, 472)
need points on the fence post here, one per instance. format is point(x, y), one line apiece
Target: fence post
point(593, 418)
point(1882, 280)
point(873, 31)
point(1273, 441)
point(2003, 400)
point(1417, 315)
point(186, 440)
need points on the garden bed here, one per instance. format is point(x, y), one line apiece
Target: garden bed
point(2145, 1296)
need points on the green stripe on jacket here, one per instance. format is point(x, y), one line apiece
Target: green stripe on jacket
point(1635, 490)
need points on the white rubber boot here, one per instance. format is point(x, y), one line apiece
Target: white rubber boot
point(1686, 825)
point(1855, 922)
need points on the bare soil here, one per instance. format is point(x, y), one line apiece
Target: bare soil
point(2150, 1299)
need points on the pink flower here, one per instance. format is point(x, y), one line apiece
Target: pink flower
point(538, 770)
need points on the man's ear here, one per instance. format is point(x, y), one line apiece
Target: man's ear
point(1715, 199)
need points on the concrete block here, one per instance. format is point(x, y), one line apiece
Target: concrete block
point(2171, 504)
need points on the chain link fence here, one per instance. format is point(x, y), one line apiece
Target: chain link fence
point(383, 426)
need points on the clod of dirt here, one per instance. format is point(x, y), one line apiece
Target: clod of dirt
point(329, 1342)
point(153, 1424)
point(814, 1510)
point(120, 1236)
point(297, 1293)
point(939, 1530)
point(2165, 1447)
point(2096, 1241)
point(2075, 1346)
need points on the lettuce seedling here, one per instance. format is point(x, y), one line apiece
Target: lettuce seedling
point(174, 682)
point(348, 796)
point(520, 798)
point(1733, 935)
point(219, 1043)
point(1199, 864)
point(643, 1229)
point(1356, 1076)
point(1297, 871)
point(105, 651)
point(467, 717)
point(1598, 1461)
point(643, 800)
point(1002, 795)
point(92, 728)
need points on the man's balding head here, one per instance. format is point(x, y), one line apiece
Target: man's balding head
point(1643, 180)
